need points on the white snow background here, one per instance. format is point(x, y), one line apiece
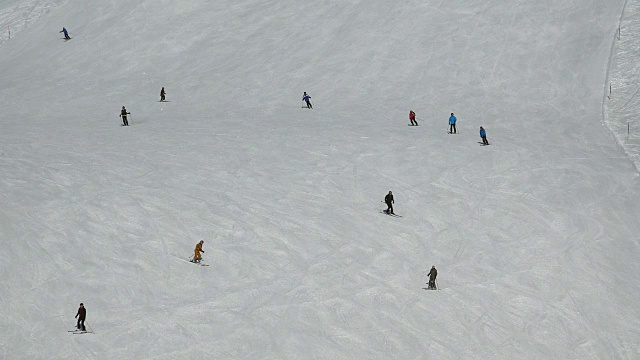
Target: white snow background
point(536, 237)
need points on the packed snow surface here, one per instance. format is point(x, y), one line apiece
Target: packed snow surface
point(536, 237)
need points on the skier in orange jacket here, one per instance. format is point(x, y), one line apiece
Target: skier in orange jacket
point(197, 257)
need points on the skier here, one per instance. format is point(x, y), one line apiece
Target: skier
point(197, 257)
point(412, 118)
point(432, 278)
point(388, 199)
point(81, 315)
point(162, 93)
point(307, 99)
point(66, 34)
point(452, 124)
point(483, 135)
point(123, 115)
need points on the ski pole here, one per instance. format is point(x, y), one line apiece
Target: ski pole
point(437, 287)
point(90, 328)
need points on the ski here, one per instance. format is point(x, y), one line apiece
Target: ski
point(191, 261)
point(394, 215)
point(200, 263)
point(482, 143)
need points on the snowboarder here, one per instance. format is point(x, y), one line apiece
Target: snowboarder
point(162, 94)
point(483, 135)
point(66, 34)
point(432, 278)
point(452, 124)
point(81, 315)
point(412, 118)
point(388, 199)
point(307, 99)
point(123, 115)
point(197, 257)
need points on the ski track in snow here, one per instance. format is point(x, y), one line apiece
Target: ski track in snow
point(535, 237)
point(620, 108)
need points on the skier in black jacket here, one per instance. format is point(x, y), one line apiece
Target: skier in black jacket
point(432, 278)
point(389, 201)
point(123, 115)
point(81, 315)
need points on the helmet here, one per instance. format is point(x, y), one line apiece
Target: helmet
point(81, 304)
point(433, 266)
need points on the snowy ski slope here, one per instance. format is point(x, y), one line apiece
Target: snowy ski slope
point(623, 103)
point(535, 236)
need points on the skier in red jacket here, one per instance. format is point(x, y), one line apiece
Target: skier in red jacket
point(412, 118)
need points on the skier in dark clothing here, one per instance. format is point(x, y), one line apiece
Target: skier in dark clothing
point(66, 34)
point(388, 199)
point(452, 124)
point(412, 118)
point(432, 277)
point(162, 94)
point(123, 115)
point(307, 99)
point(81, 315)
point(483, 135)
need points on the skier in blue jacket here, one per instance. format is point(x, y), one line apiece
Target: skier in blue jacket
point(307, 99)
point(452, 124)
point(483, 135)
point(66, 34)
